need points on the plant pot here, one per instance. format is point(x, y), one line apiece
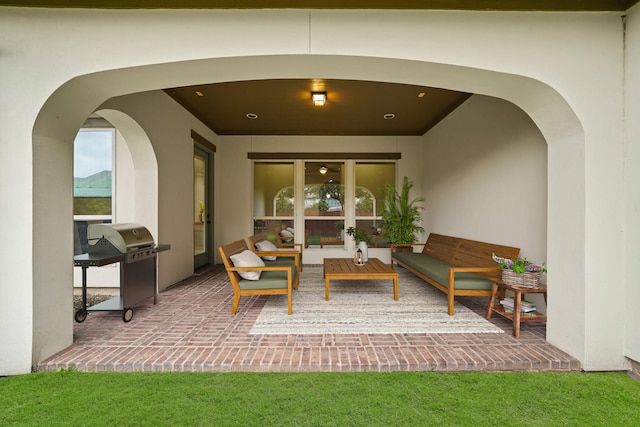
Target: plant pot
point(365, 251)
point(526, 279)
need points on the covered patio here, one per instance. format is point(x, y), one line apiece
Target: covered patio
point(191, 329)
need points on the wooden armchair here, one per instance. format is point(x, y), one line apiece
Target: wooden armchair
point(273, 280)
point(284, 256)
point(281, 243)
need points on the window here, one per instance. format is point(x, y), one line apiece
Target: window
point(274, 200)
point(371, 179)
point(331, 196)
point(93, 196)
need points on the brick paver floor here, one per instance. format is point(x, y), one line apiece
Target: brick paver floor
point(192, 329)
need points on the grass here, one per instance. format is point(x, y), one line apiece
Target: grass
point(320, 399)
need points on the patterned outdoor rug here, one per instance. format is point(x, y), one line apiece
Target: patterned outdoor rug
point(366, 306)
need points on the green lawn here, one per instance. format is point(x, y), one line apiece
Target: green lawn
point(320, 399)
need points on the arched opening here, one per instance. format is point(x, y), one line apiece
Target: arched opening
point(61, 115)
point(135, 183)
point(144, 194)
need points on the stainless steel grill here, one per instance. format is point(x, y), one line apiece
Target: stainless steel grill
point(131, 245)
point(133, 241)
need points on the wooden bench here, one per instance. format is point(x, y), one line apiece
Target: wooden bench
point(284, 255)
point(455, 266)
point(274, 280)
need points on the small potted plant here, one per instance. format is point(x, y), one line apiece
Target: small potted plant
point(359, 235)
point(363, 240)
point(520, 271)
point(201, 210)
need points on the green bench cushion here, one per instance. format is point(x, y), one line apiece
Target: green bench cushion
point(282, 260)
point(268, 280)
point(439, 271)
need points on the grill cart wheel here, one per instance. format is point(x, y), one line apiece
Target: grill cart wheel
point(81, 315)
point(127, 315)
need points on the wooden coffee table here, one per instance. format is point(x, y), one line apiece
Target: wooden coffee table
point(345, 269)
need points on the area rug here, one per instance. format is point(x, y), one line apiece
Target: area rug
point(368, 307)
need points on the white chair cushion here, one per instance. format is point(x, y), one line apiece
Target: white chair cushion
point(267, 246)
point(286, 235)
point(247, 258)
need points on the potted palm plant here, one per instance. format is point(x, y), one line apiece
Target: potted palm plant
point(401, 217)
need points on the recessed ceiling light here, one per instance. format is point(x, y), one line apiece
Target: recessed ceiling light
point(252, 116)
point(199, 93)
point(421, 95)
point(389, 116)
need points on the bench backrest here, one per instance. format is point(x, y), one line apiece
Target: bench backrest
point(467, 253)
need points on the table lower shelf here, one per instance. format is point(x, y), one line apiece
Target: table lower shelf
point(524, 318)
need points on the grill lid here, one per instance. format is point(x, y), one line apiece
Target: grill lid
point(125, 237)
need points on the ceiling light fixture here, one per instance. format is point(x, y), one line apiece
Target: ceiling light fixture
point(389, 116)
point(199, 93)
point(252, 116)
point(421, 94)
point(319, 98)
point(323, 169)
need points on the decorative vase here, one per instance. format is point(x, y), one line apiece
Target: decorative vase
point(365, 251)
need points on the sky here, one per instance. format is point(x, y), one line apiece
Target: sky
point(93, 152)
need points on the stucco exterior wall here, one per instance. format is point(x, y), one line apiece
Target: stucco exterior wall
point(632, 170)
point(168, 128)
point(485, 177)
point(563, 69)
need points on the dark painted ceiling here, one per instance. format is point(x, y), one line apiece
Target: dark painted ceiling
point(284, 107)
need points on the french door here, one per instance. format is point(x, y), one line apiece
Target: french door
point(202, 208)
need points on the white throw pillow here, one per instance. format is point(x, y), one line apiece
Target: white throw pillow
point(267, 246)
point(247, 258)
point(286, 235)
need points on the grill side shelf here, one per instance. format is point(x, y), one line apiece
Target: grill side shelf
point(96, 260)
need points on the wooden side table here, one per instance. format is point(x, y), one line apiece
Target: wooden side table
point(516, 317)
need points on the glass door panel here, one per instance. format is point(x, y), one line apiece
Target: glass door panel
point(274, 201)
point(201, 208)
point(324, 203)
point(371, 180)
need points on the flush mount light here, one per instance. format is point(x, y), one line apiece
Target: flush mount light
point(252, 116)
point(389, 116)
point(199, 93)
point(323, 169)
point(421, 94)
point(319, 98)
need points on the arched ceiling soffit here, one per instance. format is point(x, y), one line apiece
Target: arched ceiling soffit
point(410, 78)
